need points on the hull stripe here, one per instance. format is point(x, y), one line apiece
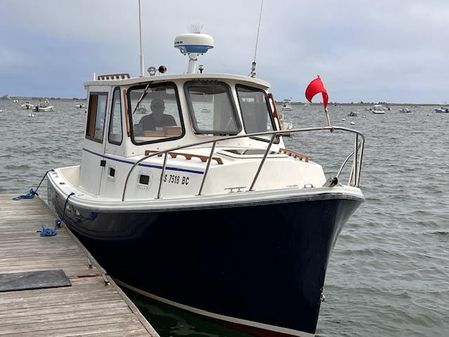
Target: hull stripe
point(171, 168)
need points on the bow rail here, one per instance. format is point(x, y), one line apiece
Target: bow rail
point(356, 154)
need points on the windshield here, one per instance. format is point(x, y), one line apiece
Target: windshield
point(255, 112)
point(154, 112)
point(211, 107)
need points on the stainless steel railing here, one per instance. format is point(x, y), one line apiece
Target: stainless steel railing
point(356, 155)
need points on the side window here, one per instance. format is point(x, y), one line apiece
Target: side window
point(255, 111)
point(115, 124)
point(96, 116)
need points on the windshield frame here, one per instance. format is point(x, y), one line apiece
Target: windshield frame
point(229, 93)
point(267, 103)
point(146, 86)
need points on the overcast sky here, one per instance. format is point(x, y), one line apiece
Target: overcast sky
point(364, 50)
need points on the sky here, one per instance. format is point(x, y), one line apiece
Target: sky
point(394, 51)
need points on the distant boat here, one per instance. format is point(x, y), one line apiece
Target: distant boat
point(353, 114)
point(27, 106)
point(441, 110)
point(141, 110)
point(378, 109)
point(405, 110)
point(80, 106)
point(286, 105)
point(43, 106)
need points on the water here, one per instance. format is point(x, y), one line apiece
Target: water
point(389, 272)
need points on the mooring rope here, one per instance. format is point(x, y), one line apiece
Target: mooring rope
point(32, 193)
point(47, 231)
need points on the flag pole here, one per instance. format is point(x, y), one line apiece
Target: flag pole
point(328, 119)
point(316, 86)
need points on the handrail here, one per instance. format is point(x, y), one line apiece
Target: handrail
point(207, 167)
point(354, 176)
point(162, 176)
point(262, 162)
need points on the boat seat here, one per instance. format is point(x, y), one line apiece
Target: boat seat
point(188, 156)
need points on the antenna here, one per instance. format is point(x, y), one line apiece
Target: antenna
point(196, 28)
point(253, 65)
point(142, 67)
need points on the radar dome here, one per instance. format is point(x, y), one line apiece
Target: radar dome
point(197, 43)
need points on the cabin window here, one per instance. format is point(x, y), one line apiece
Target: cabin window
point(115, 124)
point(96, 116)
point(155, 113)
point(254, 105)
point(211, 108)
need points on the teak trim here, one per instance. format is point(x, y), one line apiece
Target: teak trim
point(295, 154)
point(188, 156)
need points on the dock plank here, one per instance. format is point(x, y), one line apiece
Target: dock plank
point(89, 307)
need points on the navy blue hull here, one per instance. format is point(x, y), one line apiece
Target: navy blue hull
point(263, 263)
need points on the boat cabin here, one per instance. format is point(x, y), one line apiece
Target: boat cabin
point(127, 117)
point(130, 118)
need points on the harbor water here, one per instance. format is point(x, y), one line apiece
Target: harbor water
point(389, 272)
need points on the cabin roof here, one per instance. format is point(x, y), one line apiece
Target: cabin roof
point(159, 78)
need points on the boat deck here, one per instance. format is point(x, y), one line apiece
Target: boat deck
point(51, 286)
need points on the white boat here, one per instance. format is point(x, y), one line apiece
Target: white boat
point(286, 105)
point(208, 212)
point(43, 106)
point(378, 109)
point(27, 106)
point(441, 110)
point(405, 110)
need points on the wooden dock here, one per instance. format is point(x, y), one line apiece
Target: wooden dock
point(91, 305)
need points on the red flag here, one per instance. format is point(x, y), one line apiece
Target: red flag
point(315, 87)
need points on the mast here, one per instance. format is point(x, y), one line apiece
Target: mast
point(142, 67)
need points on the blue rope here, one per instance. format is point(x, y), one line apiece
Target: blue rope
point(47, 231)
point(32, 193)
point(29, 195)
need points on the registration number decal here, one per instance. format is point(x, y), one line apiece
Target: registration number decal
point(176, 179)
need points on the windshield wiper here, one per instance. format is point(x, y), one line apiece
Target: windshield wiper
point(141, 98)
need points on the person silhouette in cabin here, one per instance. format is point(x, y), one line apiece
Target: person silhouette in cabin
point(157, 120)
